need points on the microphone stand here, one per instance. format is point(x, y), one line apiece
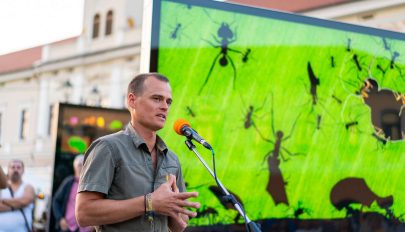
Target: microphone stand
point(252, 226)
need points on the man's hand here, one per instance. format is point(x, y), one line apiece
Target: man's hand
point(179, 223)
point(63, 224)
point(168, 201)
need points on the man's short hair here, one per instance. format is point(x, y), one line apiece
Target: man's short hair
point(16, 161)
point(137, 83)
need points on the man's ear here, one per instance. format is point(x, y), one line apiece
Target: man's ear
point(131, 100)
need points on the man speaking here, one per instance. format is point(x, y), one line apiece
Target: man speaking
point(130, 180)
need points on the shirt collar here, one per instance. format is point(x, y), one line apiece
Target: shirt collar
point(138, 140)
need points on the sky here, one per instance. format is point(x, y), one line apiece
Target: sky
point(30, 23)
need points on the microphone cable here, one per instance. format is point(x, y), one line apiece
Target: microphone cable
point(216, 180)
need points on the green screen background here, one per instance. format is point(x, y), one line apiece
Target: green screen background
point(274, 81)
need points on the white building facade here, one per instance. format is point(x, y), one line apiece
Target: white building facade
point(92, 69)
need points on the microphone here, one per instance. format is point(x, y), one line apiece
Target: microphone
point(182, 127)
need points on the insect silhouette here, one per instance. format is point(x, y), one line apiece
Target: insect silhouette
point(190, 111)
point(349, 45)
point(225, 37)
point(351, 124)
point(248, 119)
point(387, 46)
point(250, 114)
point(314, 81)
point(380, 137)
point(337, 99)
point(332, 61)
point(207, 212)
point(313, 91)
point(174, 33)
point(246, 55)
point(357, 62)
point(300, 210)
point(318, 122)
point(381, 69)
point(394, 56)
point(276, 185)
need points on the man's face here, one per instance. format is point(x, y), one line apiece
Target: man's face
point(152, 106)
point(15, 171)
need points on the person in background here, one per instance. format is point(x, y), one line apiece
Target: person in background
point(16, 201)
point(3, 179)
point(130, 180)
point(64, 200)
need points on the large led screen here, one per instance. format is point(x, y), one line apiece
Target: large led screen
point(306, 116)
point(78, 127)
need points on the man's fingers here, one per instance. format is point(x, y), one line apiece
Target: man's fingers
point(187, 212)
point(186, 195)
point(174, 185)
point(189, 204)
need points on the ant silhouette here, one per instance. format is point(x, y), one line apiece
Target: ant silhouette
point(225, 37)
point(276, 185)
point(250, 114)
point(300, 210)
point(382, 70)
point(190, 111)
point(248, 118)
point(350, 84)
point(394, 55)
point(338, 100)
point(355, 66)
point(349, 45)
point(389, 63)
point(353, 121)
point(332, 61)
point(351, 124)
point(173, 34)
point(176, 31)
point(245, 56)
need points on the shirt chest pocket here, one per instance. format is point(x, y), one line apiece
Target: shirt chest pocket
point(132, 180)
point(165, 171)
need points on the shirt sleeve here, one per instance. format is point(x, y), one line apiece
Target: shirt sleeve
point(98, 169)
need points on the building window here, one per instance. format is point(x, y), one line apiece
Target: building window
point(51, 118)
point(24, 124)
point(391, 124)
point(96, 26)
point(109, 23)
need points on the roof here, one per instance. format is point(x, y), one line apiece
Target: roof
point(290, 5)
point(24, 59)
point(20, 59)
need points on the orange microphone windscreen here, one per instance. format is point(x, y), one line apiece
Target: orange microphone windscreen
point(179, 124)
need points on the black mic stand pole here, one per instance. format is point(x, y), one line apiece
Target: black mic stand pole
point(251, 224)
